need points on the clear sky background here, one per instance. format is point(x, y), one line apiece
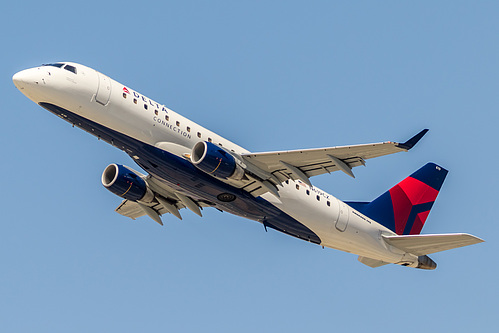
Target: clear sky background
point(269, 75)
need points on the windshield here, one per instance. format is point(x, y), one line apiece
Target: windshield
point(59, 65)
point(70, 68)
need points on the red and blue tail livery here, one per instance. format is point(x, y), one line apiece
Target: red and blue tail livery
point(405, 207)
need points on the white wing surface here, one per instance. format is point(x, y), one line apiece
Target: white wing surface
point(302, 164)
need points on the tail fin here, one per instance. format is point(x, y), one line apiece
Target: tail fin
point(405, 207)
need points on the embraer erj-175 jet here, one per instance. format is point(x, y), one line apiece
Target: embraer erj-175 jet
point(191, 167)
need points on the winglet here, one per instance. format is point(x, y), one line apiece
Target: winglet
point(412, 141)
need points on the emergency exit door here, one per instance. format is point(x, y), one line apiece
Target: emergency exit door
point(344, 214)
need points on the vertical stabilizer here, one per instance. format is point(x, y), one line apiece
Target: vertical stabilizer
point(405, 207)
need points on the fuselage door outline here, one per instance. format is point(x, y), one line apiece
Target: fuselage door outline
point(103, 89)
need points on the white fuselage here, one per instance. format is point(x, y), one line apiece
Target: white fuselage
point(104, 101)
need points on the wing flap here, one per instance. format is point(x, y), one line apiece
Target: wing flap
point(426, 244)
point(132, 209)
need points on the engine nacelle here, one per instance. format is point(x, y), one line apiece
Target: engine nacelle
point(125, 183)
point(215, 161)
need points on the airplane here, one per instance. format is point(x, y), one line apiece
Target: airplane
point(190, 167)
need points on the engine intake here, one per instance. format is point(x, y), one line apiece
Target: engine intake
point(215, 161)
point(125, 183)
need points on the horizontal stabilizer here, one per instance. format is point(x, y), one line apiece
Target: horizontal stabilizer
point(426, 244)
point(372, 262)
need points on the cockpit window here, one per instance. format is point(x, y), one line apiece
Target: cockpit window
point(58, 65)
point(70, 68)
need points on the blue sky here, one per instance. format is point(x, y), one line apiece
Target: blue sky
point(269, 76)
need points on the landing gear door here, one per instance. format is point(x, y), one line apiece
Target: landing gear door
point(343, 216)
point(103, 89)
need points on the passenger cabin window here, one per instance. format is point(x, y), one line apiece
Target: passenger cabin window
point(199, 134)
point(70, 68)
point(178, 123)
point(135, 100)
point(329, 203)
point(318, 198)
point(145, 106)
point(124, 95)
point(297, 186)
point(308, 192)
point(167, 117)
point(156, 112)
point(188, 129)
point(210, 140)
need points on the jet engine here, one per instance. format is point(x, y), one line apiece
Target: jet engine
point(125, 183)
point(216, 161)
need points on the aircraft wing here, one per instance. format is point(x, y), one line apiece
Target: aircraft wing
point(166, 200)
point(302, 164)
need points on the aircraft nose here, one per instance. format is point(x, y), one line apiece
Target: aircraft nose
point(23, 78)
point(18, 79)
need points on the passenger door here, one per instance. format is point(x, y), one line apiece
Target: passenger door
point(103, 89)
